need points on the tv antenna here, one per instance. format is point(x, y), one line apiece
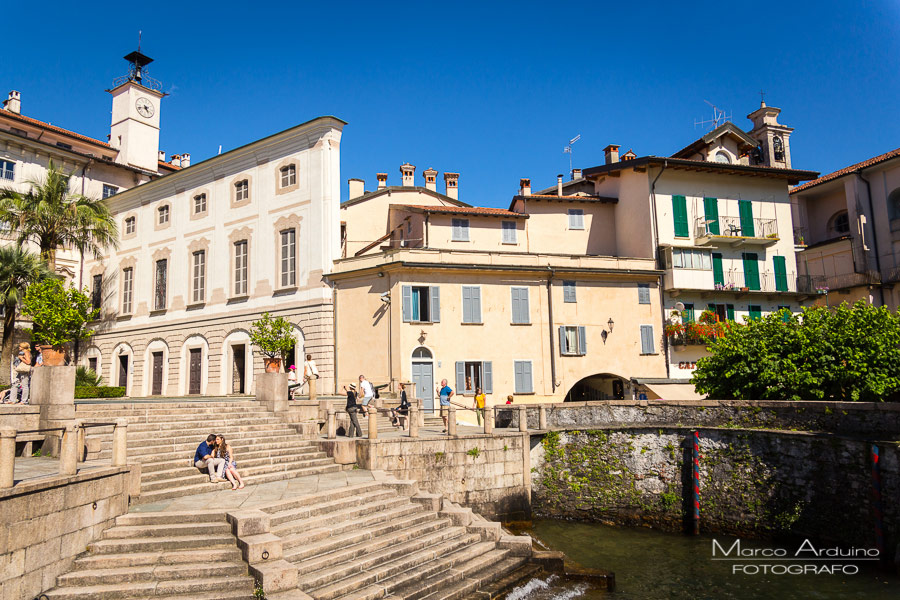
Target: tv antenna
point(719, 118)
point(568, 149)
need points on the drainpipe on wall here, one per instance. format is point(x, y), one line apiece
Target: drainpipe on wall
point(874, 233)
point(426, 230)
point(550, 320)
point(655, 235)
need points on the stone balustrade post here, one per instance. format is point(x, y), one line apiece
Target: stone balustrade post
point(82, 434)
point(489, 420)
point(312, 388)
point(414, 420)
point(523, 418)
point(68, 451)
point(421, 413)
point(330, 425)
point(373, 423)
point(542, 417)
point(451, 421)
point(120, 443)
point(7, 457)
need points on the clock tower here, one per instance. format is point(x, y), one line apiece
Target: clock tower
point(135, 115)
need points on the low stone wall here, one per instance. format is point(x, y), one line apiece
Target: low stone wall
point(489, 474)
point(849, 418)
point(753, 483)
point(46, 523)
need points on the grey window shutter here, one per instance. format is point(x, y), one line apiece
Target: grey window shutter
point(582, 341)
point(407, 303)
point(467, 304)
point(568, 291)
point(646, 339)
point(514, 303)
point(476, 305)
point(643, 293)
point(562, 340)
point(435, 304)
point(454, 233)
point(526, 377)
point(487, 376)
point(526, 313)
point(518, 368)
point(460, 377)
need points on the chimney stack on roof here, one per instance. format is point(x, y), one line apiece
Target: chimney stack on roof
point(408, 172)
point(430, 176)
point(612, 153)
point(14, 103)
point(176, 160)
point(185, 160)
point(524, 187)
point(382, 180)
point(630, 155)
point(451, 180)
point(162, 156)
point(357, 188)
point(576, 174)
point(559, 185)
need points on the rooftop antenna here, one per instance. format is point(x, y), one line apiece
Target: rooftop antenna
point(568, 149)
point(719, 118)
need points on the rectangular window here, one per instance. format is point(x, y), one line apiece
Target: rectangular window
point(127, 289)
point(781, 282)
point(162, 267)
point(510, 232)
point(647, 344)
point(288, 258)
point(686, 258)
point(711, 215)
point(240, 268)
point(471, 375)
point(745, 210)
point(163, 215)
point(680, 216)
point(7, 170)
point(520, 310)
point(241, 190)
point(97, 292)
point(687, 315)
point(751, 270)
point(129, 225)
point(729, 312)
point(109, 190)
point(64, 145)
point(421, 304)
point(288, 175)
point(576, 218)
point(643, 293)
point(460, 231)
point(569, 291)
point(198, 277)
point(522, 371)
point(755, 312)
point(199, 204)
point(471, 297)
point(572, 340)
point(92, 364)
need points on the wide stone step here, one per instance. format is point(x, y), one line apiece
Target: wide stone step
point(151, 544)
point(134, 559)
point(510, 573)
point(259, 439)
point(245, 471)
point(235, 586)
point(463, 578)
point(336, 528)
point(201, 570)
point(157, 415)
point(180, 460)
point(310, 499)
point(150, 519)
point(335, 508)
point(196, 434)
point(243, 463)
point(143, 531)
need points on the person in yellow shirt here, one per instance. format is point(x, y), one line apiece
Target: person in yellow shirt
point(478, 404)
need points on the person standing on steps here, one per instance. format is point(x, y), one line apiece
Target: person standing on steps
point(368, 392)
point(400, 415)
point(352, 408)
point(478, 404)
point(204, 459)
point(445, 393)
point(21, 365)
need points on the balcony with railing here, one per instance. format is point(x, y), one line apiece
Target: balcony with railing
point(732, 231)
point(736, 281)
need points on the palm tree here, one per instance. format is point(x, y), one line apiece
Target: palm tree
point(52, 217)
point(19, 268)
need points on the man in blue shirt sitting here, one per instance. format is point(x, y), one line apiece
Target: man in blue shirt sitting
point(203, 460)
point(445, 393)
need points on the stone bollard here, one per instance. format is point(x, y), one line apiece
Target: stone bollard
point(7, 457)
point(120, 443)
point(451, 420)
point(68, 451)
point(542, 417)
point(330, 425)
point(373, 423)
point(489, 420)
point(413, 421)
point(81, 444)
point(312, 388)
point(523, 418)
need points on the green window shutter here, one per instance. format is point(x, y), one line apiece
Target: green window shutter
point(751, 270)
point(781, 283)
point(746, 213)
point(687, 315)
point(729, 312)
point(711, 213)
point(718, 271)
point(755, 312)
point(785, 314)
point(679, 214)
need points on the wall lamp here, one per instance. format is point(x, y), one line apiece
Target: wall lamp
point(610, 323)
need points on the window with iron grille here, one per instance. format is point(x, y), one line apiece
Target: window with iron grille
point(109, 190)
point(7, 170)
point(97, 292)
point(162, 268)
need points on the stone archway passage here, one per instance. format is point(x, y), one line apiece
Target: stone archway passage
point(601, 386)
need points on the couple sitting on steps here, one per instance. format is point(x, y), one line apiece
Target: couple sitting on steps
point(218, 457)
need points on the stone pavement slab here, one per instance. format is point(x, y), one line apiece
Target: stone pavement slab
point(33, 467)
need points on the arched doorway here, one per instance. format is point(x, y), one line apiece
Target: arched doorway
point(602, 386)
point(423, 376)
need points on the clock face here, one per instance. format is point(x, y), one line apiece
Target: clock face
point(144, 107)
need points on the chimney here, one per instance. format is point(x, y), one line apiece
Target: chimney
point(612, 153)
point(185, 160)
point(408, 172)
point(451, 180)
point(14, 103)
point(630, 155)
point(430, 179)
point(162, 156)
point(524, 187)
point(176, 160)
point(357, 188)
point(576, 174)
point(559, 185)
point(382, 180)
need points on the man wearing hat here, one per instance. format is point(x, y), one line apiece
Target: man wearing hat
point(352, 408)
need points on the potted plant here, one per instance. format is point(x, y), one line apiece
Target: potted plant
point(274, 338)
point(59, 316)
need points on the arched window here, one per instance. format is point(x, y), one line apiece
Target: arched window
point(722, 157)
point(422, 353)
point(839, 224)
point(778, 148)
point(894, 204)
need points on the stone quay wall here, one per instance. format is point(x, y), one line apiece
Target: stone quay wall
point(847, 418)
point(488, 473)
point(752, 483)
point(46, 523)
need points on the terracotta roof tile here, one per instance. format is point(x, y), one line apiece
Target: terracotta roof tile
point(54, 128)
point(461, 210)
point(847, 170)
point(163, 163)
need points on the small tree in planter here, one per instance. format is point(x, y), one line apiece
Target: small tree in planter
point(274, 338)
point(59, 316)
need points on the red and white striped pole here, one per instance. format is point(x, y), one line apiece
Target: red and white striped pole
point(695, 482)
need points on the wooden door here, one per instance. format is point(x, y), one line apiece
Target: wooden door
point(237, 369)
point(423, 378)
point(157, 374)
point(195, 369)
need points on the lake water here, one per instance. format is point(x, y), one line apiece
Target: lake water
point(651, 564)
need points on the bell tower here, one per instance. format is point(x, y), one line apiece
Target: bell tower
point(134, 131)
point(773, 137)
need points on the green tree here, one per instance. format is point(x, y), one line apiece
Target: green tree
point(60, 314)
point(19, 268)
point(53, 217)
point(273, 337)
point(837, 353)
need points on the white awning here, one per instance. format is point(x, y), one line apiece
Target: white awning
point(672, 391)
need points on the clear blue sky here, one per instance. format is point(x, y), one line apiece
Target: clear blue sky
point(490, 90)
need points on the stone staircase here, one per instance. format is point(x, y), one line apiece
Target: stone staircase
point(163, 438)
